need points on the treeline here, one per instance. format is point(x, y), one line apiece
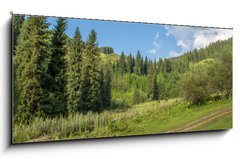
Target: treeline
point(106, 50)
point(54, 76)
point(163, 79)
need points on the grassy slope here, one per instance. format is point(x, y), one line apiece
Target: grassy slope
point(145, 118)
point(176, 116)
point(159, 119)
point(109, 57)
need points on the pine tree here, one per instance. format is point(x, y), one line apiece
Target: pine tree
point(141, 66)
point(17, 22)
point(130, 63)
point(145, 66)
point(122, 64)
point(31, 53)
point(137, 67)
point(91, 77)
point(57, 69)
point(85, 101)
point(74, 73)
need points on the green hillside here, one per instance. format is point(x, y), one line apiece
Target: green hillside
point(109, 57)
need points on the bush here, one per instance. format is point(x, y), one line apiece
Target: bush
point(196, 84)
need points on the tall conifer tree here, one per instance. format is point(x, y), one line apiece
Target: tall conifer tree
point(137, 67)
point(122, 64)
point(31, 53)
point(91, 77)
point(130, 63)
point(74, 73)
point(57, 69)
point(145, 66)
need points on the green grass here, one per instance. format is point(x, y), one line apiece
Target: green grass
point(145, 118)
point(166, 118)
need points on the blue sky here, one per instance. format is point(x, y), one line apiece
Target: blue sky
point(153, 40)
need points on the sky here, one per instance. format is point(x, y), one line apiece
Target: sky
point(152, 40)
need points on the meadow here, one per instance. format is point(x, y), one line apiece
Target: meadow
point(145, 118)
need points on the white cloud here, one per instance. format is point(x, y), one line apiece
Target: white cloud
point(182, 44)
point(174, 54)
point(153, 51)
point(156, 44)
point(205, 37)
point(189, 38)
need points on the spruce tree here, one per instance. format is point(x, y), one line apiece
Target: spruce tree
point(85, 101)
point(145, 66)
point(17, 22)
point(57, 69)
point(141, 66)
point(137, 67)
point(74, 73)
point(31, 53)
point(130, 63)
point(122, 64)
point(91, 77)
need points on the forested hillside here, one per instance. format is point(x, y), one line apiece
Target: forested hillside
point(59, 78)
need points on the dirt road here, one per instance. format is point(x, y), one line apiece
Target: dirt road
point(201, 121)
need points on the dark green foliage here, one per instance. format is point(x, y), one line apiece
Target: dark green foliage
point(152, 86)
point(57, 68)
point(107, 88)
point(155, 88)
point(102, 88)
point(145, 66)
point(106, 50)
point(31, 53)
point(138, 64)
point(150, 82)
point(74, 73)
point(91, 76)
point(130, 63)
point(142, 66)
point(122, 64)
point(17, 22)
point(163, 92)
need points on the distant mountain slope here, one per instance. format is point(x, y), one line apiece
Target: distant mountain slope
point(113, 57)
point(215, 50)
